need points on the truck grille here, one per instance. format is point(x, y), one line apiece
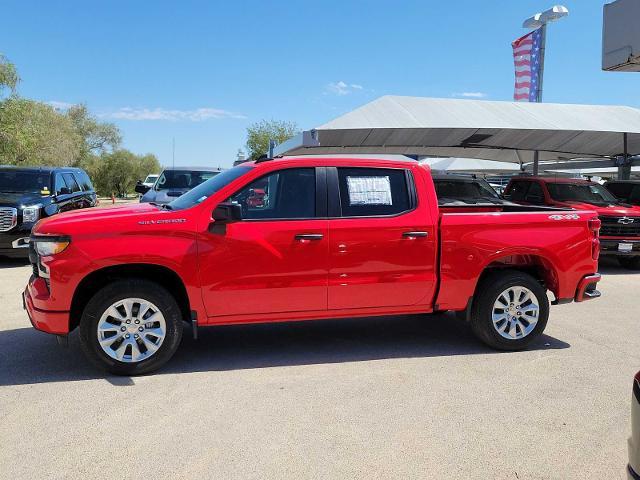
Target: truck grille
point(8, 218)
point(620, 226)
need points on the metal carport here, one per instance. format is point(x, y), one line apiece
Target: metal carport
point(505, 131)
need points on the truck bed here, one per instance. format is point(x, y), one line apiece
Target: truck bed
point(554, 240)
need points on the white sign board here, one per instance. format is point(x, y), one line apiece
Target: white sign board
point(369, 190)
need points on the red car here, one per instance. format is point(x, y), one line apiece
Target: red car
point(620, 230)
point(332, 238)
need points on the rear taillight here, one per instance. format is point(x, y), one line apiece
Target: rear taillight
point(594, 227)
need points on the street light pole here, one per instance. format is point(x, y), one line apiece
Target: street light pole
point(540, 20)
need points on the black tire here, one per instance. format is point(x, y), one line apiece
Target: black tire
point(487, 294)
point(120, 290)
point(630, 263)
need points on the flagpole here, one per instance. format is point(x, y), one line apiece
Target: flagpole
point(543, 41)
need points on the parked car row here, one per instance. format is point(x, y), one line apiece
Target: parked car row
point(28, 194)
point(620, 222)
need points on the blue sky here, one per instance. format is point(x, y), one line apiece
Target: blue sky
point(203, 71)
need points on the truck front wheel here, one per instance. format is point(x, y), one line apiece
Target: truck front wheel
point(131, 327)
point(510, 310)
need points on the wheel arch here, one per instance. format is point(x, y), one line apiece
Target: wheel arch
point(97, 279)
point(536, 265)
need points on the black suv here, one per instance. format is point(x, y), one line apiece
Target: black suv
point(30, 193)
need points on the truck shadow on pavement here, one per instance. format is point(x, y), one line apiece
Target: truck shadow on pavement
point(28, 356)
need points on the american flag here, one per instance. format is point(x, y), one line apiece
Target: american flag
point(527, 61)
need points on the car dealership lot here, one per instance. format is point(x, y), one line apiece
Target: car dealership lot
point(410, 397)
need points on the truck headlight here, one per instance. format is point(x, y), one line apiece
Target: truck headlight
point(48, 248)
point(31, 214)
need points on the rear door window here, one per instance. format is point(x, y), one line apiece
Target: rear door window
point(366, 192)
point(70, 180)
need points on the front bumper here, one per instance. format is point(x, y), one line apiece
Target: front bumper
point(610, 247)
point(6, 244)
point(46, 321)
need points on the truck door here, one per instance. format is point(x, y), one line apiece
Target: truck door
point(382, 240)
point(276, 258)
point(64, 195)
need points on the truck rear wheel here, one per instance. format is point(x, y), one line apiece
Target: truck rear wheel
point(131, 327)
point(630, 263)
point(510, 310)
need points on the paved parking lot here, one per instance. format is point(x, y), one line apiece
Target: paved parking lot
point(411, 397)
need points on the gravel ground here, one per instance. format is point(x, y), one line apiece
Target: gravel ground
point(408, 397)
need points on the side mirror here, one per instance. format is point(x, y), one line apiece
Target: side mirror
point(141, 189)
point(227, 213)
point(65, 191)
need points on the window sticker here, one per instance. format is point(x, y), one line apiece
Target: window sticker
point(369, 190)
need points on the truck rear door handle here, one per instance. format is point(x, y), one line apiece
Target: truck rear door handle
point(309, 236)
point(415, 234)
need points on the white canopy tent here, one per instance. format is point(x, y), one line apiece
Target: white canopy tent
point(471, 165)
point(502, 131)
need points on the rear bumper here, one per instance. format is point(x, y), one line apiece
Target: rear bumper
point(587, 288)
point(610, 247)
point(45, 321)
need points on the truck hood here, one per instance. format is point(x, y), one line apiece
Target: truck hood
point(17, 200)
point(613, 210)
point(81, 220)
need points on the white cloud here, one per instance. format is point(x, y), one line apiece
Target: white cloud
point(470, 94)
point(60, 105)
point(196, 115)
point(342, 88)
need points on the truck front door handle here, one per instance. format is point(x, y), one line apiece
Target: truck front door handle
point(309, 236)
point(415, 234)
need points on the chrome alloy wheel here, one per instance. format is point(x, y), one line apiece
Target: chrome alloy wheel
point(515, 312)
point(131, 330)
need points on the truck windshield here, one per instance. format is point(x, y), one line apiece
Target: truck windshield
point(16, 181)
point(581, 192)
point(208, 188)
point(467, 191)
point(182, 179)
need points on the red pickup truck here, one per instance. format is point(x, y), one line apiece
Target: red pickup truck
point(330, 238)
point(620, 229)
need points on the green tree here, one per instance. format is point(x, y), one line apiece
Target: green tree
point(8, 75)
point(99, 137)
point(33, 133)
point(259, 134)
point(118, 171)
